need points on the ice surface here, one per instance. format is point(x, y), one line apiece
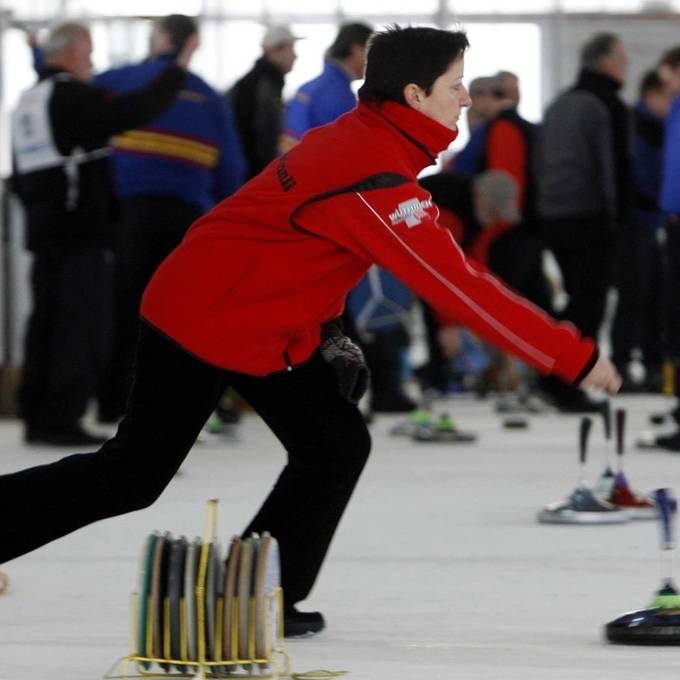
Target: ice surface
point(439, 570)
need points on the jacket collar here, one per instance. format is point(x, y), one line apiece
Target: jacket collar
point(332, 67)
point(426, 137)
point(645, 112)
point(46, 72)
point(269, 70)
point(597, 82)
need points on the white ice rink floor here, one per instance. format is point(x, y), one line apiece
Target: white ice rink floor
point(439, 570)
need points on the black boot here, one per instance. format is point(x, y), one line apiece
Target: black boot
point(299, 624)
point(670, 442)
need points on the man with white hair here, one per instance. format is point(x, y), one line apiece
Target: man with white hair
point(60, 134)
point(257, 101)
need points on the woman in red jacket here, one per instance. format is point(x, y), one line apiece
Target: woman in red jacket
point(246, 301)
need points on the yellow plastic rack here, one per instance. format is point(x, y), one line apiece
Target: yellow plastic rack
point(267, 669)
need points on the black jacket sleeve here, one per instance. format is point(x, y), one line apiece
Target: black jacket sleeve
point(86, 115)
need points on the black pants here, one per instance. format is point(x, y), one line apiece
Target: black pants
point(150, 228)
point(517, 257)
point(640, 314)
point(66, 344)
point(583, 250)
point(173, 394)
point(673, 263)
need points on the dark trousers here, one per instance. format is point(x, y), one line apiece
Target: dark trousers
point(173, 394)
point(673, 263)
point(437, 371)
point(150, 228)
point(66, 343)
point(582, 248)
point(517, 257)
point(640, 279)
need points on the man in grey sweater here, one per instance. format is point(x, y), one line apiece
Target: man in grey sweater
point(583, 180)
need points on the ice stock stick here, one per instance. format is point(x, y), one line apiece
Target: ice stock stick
point(663, 503)
point(606, 412)
point(584, 433)
point(620, 426)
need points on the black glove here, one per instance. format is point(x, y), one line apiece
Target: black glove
point(347, 361)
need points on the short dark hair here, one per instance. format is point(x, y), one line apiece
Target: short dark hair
point(179, 27)
point(399, 56)
point(650, 82)
point(671, 57)
point(596, 48)
point(348, 36)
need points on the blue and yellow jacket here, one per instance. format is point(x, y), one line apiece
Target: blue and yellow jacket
point(317, 102)
point(192, 151)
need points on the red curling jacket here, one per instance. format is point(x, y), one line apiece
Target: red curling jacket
point(252, 282)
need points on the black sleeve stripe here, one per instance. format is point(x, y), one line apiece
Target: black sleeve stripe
point(383, 180)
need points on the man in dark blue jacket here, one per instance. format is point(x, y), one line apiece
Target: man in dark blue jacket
point(669, 201)
point(167, 174)
point(330, 94)
point(637, 324)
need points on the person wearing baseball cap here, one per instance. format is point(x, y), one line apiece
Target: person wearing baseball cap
point(256, 98)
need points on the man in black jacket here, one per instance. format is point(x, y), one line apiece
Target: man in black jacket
point(256, 98)
point(60, 134)
point(583, 184)
point(584, 177)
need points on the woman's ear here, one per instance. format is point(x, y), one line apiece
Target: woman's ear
point(412, 95)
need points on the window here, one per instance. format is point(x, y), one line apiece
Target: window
point(359, 7)
point(505, 47)
point(317, 39)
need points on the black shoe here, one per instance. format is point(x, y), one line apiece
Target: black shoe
point(670, 442)
point(63, 436)
point(566, 398)
point(669, 416)
point(573, 401)
point(299, 624)
point(392, 403)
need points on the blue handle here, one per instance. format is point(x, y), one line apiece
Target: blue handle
point(663, 503)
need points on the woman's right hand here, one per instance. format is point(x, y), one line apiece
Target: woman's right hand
point(603, 375)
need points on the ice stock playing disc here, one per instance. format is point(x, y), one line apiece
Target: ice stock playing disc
point(267, 581)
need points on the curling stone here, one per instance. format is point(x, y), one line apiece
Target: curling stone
point(421, 417)
point(442, 430)
point(659, 624)
point(582, 506)
point(516, 423)
point(621, 495)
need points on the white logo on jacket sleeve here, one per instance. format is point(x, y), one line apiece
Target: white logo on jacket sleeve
point(412, 212)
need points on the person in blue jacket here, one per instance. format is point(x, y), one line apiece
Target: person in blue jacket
point(167, 174)
point(669, 202)
point(329, 95)
point(638, 321)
